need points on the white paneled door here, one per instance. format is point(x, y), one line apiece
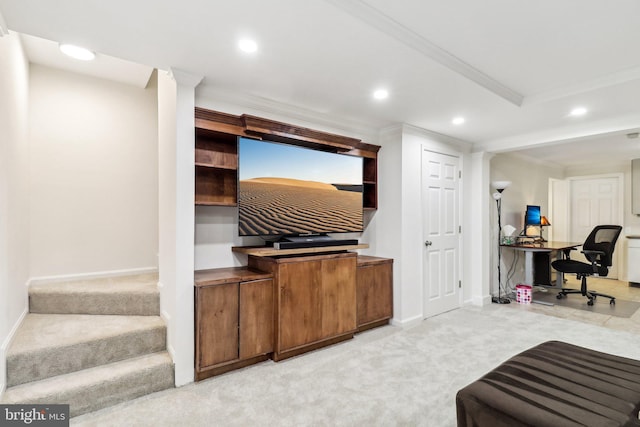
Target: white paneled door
point(594, 201)
point(441, 232)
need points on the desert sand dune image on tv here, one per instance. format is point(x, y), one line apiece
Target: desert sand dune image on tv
point(286, 190)
point(275, 205)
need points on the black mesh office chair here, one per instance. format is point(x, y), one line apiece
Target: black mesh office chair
point(598, 249)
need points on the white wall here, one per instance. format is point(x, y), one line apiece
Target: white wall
point(93, 171)
point(529, 186)
point(387, 222)
point(14, 202)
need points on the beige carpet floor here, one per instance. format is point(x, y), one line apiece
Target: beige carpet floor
point(385, 377)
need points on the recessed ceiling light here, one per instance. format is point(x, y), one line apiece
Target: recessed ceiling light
point(248, 45)
point(458, 120)
point(381, 94)
point(578, 111)
point(77, 52)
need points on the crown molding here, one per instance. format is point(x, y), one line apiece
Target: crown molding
point(440, 137)
point(373, 17)
point(185, 78)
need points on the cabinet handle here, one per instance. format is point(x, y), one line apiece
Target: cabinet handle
point(428, 243)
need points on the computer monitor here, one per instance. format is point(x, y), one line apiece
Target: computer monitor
point(532, 215)
point(532, 221)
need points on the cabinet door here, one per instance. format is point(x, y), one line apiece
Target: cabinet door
point(217, 311)
point(338, 296)
point(375, 293)
point(300, 310)
point(256, 318)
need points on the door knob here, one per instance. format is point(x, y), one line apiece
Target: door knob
point(428, 243)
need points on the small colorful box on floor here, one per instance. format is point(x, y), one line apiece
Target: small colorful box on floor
point(523, 294)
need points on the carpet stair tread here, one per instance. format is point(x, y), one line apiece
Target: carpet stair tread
point(47, 345)
point(98, 387)
point(126, 295)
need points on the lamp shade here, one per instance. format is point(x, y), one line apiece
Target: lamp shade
point(544, 221)
point(500, 185)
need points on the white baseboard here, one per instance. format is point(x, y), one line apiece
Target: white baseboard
point(5, 346)
point(95, 275)
point(407, 323)
point(172, 353)
point(478, 301)
point(481, 301)
point(166, 317)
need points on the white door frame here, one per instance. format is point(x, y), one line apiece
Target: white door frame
point(460, 157)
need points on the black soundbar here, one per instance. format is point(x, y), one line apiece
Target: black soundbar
point(314, 244)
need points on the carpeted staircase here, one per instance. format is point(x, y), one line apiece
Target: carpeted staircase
point(91, 344)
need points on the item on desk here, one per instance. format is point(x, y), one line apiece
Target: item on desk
point(523, 294)
point(507, 240)
point(508, 230)
point(507, 235)
point(525, 240)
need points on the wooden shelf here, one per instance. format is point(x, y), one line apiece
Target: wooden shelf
point(207, 165)
point(370, 182)
point(216, 160)
point(215, 187)
point(269, 251)
point(216, 149)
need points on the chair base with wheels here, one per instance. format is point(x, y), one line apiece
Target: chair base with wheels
point(591, 295)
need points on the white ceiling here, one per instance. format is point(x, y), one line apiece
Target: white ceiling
point(46, 52)
point(513, 68)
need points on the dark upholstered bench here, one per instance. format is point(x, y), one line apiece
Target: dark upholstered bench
point(554, 384)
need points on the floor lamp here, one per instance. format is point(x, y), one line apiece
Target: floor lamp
point(499, 187)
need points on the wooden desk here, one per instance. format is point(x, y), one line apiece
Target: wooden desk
point(530, 248)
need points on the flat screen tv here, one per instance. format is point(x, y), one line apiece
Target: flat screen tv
point(286, 190)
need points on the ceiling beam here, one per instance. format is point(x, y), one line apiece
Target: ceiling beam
point(373, 17)
point(608, 80)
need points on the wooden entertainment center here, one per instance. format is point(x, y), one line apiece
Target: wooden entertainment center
point(289, 301)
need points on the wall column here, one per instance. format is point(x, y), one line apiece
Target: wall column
point(480, 239)
point(176, 138)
